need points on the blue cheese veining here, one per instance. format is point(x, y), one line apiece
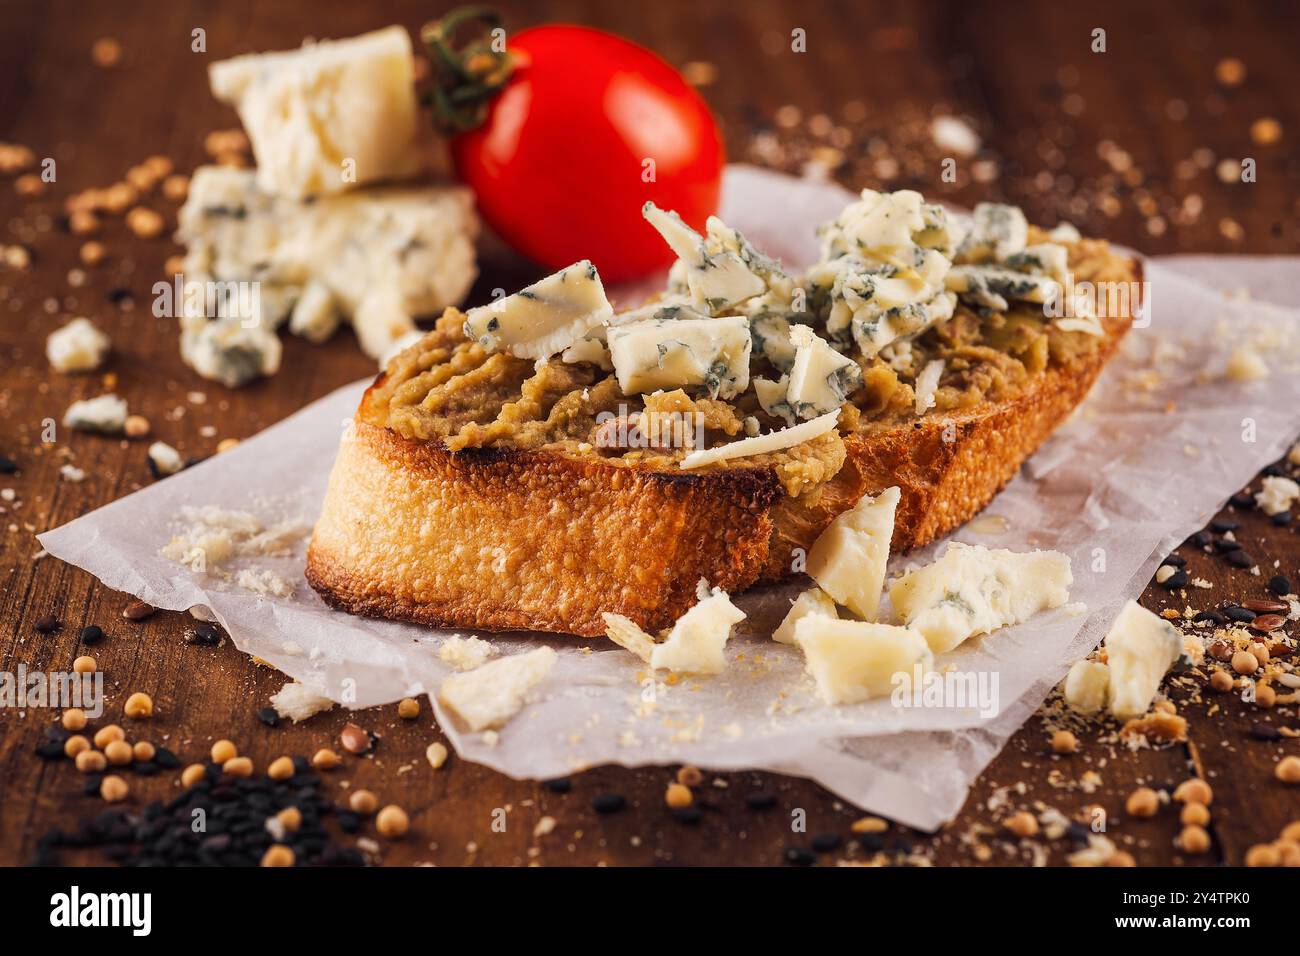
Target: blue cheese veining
point(544, 318)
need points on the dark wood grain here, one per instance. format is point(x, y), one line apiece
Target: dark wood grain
point(1025, 76)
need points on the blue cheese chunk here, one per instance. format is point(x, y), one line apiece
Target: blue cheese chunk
point(812, 602)
point(1141, 647)
point(771, 335)
point(972, 590)
point(327, 117)
point(721, 268)
point(771, 394)
point(487, 697)
point(1087, 686)
point(848, 559)
point(228, 350)
point(315, 315)
point(997, 232)
point(853, 661)
point(544, 318)
point(105, 414)
point(386, 254)
point(821, 379)
point(992, 287)
point(668, 353)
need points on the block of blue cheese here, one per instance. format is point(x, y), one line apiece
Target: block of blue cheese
point(328, 117)
point(377, 257)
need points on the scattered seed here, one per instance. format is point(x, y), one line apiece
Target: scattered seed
point(144, 222)
point(269, 716)
point(408, 708)
point(1221, 681)
point(1244, 663)
point(436, 754)
point(113, 788)
point(91, 761)
point(1194, 839)
point(1267, 623)
point(325, 759)
point(48, 624)
point(106, 53)
point(799, 856)
point(84, 665)
point(1022, 824)
point(559, 785)
point(392, 822)
point(76, 744)
point(138, 611)
point(138, 705)
point(142, 751)
point(363, 802)
point(678, 795)
point(193, 774)
point(107, 734)
point(1194, 790)
point(1279, 585)
point(74, 718)
point(354, 740)
point(1288, 769)
point(224, 750)
point(1262, 731)
point(1240, 559)
point(1142, 802)
point(278, 855)
point(281, 768)
point(689, 776)
point(1265, 696)
point(238, 767)
point(760, 801)
point(1194, 814)
point(1064, 742)
point(608, 802)
point(118, 753)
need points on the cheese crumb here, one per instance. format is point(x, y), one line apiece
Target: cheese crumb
point(488, 696)
point(298, 702)
point(465, 653)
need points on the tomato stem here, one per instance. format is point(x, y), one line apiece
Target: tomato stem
point(466, 78)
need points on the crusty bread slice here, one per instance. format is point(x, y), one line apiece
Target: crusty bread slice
point(503, 539)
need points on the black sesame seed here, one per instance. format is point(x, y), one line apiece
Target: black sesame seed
point(165, 758)
point(608, 802)
point(269, 716)
point(1224, 545)
point(1223, 526)
point(206, 634)
point(1175, 561)
point(7, 465)
point(1240, 559)
point(1241, 500)
point(559, 785)
point(50, 750)
point(1281, 519)
point(145, 768)
point(1234, 613)
point(1279, 585)
point(48, 624)
point(826, 842)
point(1201, 539)
point(1273, 471)
point(92, 634)
point(1261, 731)
point(1213, 617)
point(760, 800)
point(1175, 581)
point(688, 816)
point(871, 842)
point(90, 787)
point(799, 856)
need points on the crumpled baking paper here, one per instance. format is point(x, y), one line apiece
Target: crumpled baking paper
point(1160, 443)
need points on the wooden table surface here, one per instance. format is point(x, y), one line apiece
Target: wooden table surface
point(1126, 143)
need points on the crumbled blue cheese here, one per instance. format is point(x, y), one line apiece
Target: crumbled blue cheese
point(315, 315)
point(821, 379)
point(1277, 495)
point(164, 460)
point(991, 287)
point(670, 352)
point(77, 347)
point(1141, 647)
point(721, 269)
point(384, 255)
point(488, 696)
point(771, 335)
point(763, 444)
point(997, 232)
point(852, 661)
point(771, 394)
point(927, 384)
point(813, 601)
point(973, 590)
point(229, 351)
point(329, 116)
point(848, 559)
point(105, 414)
point(1087, 686)
point(465, 653)
point(544, 318)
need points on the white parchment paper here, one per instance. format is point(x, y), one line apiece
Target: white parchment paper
point(1163, 439)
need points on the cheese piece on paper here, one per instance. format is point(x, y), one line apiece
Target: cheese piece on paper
point(465, 653)
point(973, 590)
point(813, 602)
point(488, 696)
point(328, 117)
point(848, 559)
point(1140, 649)
point(695, 644)
point(852, 661)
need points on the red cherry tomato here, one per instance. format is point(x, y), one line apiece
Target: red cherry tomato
point(588, 127)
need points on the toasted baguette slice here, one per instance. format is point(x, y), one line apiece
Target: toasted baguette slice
point(508, 539)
